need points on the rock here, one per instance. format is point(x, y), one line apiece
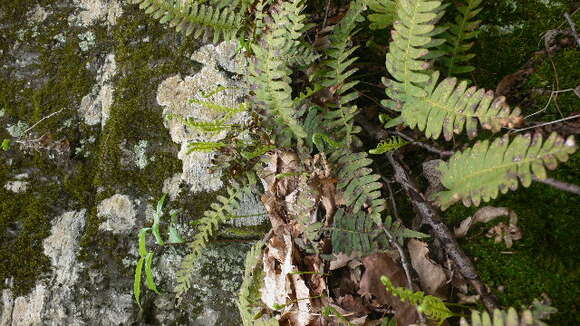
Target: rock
point(119, 213)
point(95, 106)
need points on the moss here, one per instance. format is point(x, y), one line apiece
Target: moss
point(544, 261)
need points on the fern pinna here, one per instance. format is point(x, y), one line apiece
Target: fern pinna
point(221, 211)
point(449, 107)
point(479, 173)
point(503, 318)
point(190, 17)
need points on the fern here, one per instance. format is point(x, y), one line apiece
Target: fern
point(432, 307)
point(385, 13)
point(194, 18)
point(219, 213)
point(358, 185)
point(458, 38)
point(412, 38)
point(340, 117)
point(388, 145)
point(270, 75)
point(448, 108)
point(480, 172)
point(251, 284)
point(204, 146)
point(353, 233)
point(503, 318)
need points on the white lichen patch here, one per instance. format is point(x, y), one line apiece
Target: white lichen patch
point(95, 106)
point(171, 186)
point(62, 245)
point(17, 129)
point(87, 40)
point(225, 55)
point(49, 303)
point(175, 93)
point(93, 11)
point(19, 184)
point(119, 212)
point(38, 14)
point(140, 152)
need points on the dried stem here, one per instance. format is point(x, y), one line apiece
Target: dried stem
point(568, 187)
point(430, 216)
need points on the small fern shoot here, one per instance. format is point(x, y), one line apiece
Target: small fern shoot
point(480, 172)
point(389, 145)
point(219, 213)
point(432, 307)
point(459, 38)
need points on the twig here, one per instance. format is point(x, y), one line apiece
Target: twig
point(568, 187)
point(392, 196)
point(441, 152)
point(39, 121)
point(405, 263)
point(547, 123)
point(430, 217)
point(573, 27)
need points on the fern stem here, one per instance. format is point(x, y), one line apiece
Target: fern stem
point(568, 187)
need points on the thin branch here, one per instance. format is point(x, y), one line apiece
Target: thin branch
point(547, 123)
point(568, 187)
point(573, 28)
point(430, 216)
point(39, 121)
point(441, 152)
point(404, 262)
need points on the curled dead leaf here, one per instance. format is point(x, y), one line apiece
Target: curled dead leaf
point(431, 274)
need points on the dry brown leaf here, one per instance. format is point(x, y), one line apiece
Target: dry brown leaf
point(483, 215)
point(431, 274)
point(341, 260)
point(377, 265)
point(506, 233)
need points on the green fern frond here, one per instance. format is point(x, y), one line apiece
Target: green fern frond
point(448, 107)
point(353, 233)
point(412, 38)
point(205, 126)
point(459, 38)
point(271, 76)
point(432, 307)
point(502, 318)
point(389, 145)
point(356, 181)
point(479, 173)
point(249, 297)
point(400, 232)
point(228, 110)
point(339, 119)
point(190, 17)
point(218, 214)
point(204, 146)
point(385, 13)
